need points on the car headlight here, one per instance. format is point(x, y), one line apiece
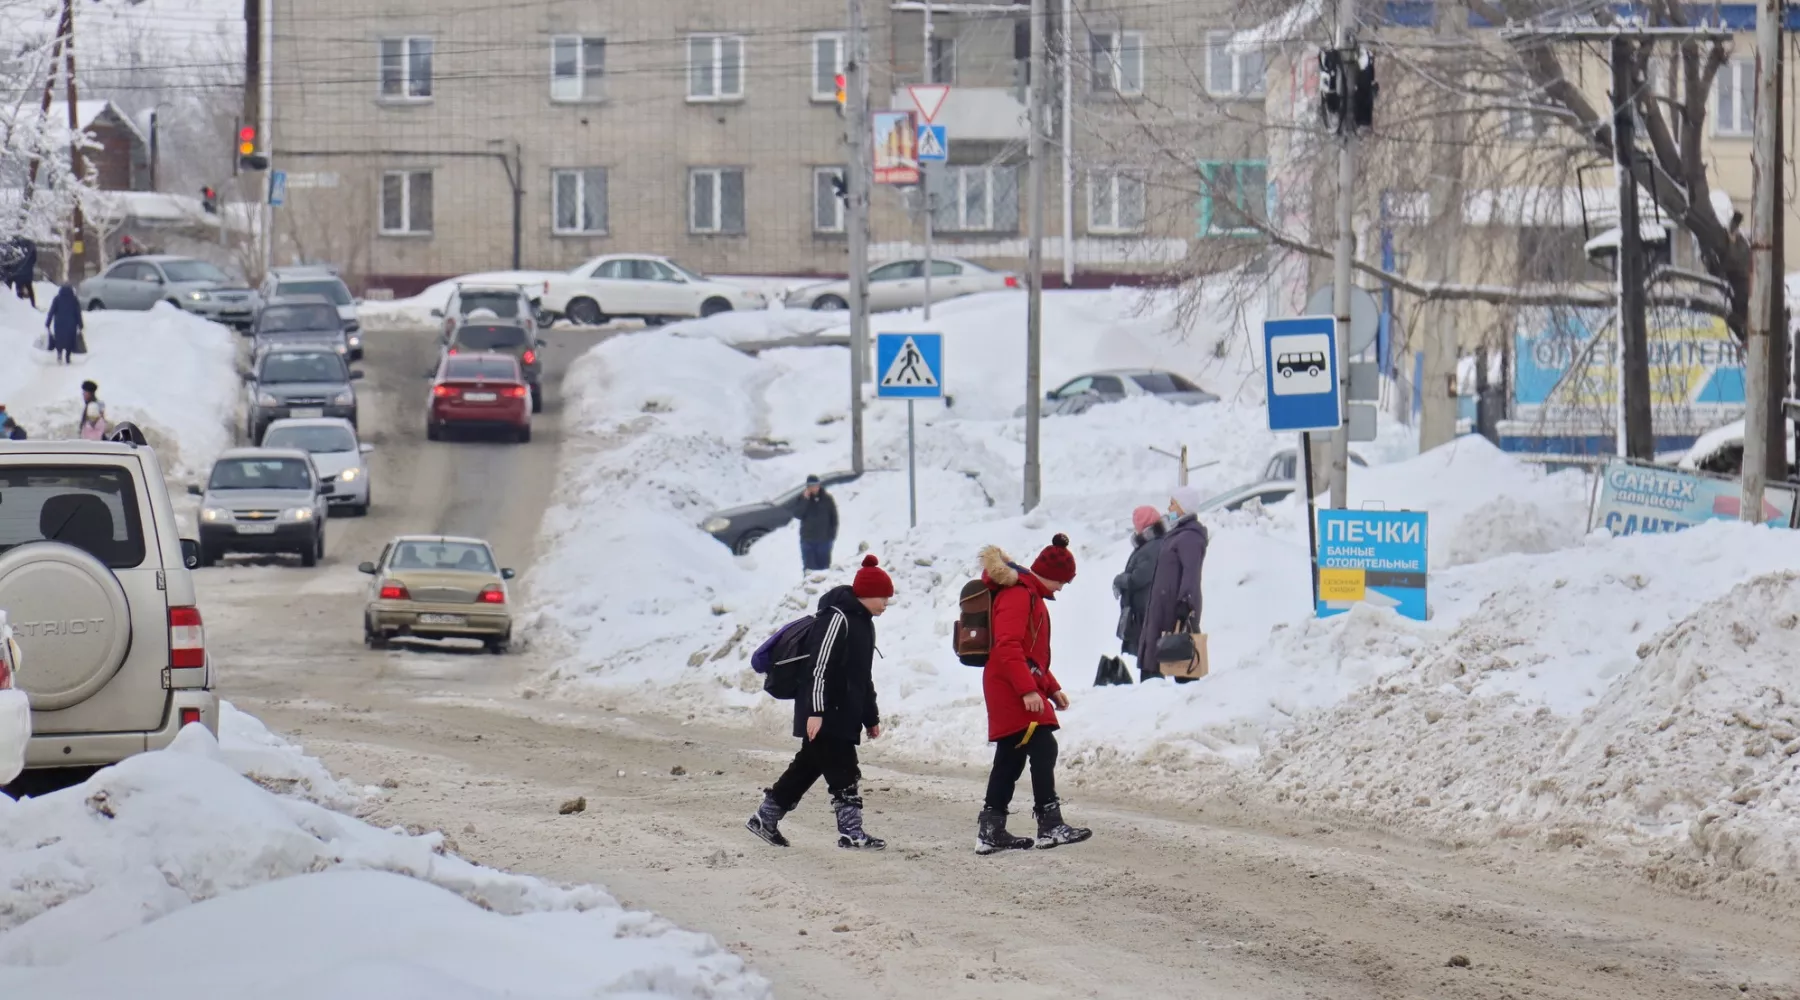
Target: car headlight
point(344, 398)
point(297, 514)
point(267, 399)
point(198, 296)
point(349, 475)
point(355, 341)
point(714, 525)
point(212, 514)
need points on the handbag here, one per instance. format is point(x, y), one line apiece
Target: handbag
point(80, 343)
point(1182, 653)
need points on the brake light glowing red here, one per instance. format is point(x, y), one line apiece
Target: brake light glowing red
point(440, 391)
point(493, 595)
point(393, 591)
point(531, 357)
point(515, 391)
point(1012, 281)
point(187, 639)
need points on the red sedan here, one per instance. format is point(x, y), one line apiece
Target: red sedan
point(486, 391)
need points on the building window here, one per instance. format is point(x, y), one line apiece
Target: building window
point(1234, 197)
point(975, 199)
point(828, 208)
point(406, 203)
point(1115, 203)
point(827, 63)
point(1734, 105)
point(579, 198)
point(1230, 73)
point(577, 68)
point(406, 69)
point(943, 59)
point(715, 68)
point(1118, 62)
point(716, 200)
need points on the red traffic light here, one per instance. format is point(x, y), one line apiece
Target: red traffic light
point(839, 82)
point(247, 134)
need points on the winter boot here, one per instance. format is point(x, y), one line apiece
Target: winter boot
point(1103, 676)
point(765, 821)
point(848, 805)
point(991, 835)
point(1121, 673)
point(1052, 831)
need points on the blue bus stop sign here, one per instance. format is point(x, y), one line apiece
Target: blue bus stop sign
point(1300, 366)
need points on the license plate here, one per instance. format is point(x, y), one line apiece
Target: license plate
point(256, 529)
point(441, 620)
point(480, 397)
point(306, 411)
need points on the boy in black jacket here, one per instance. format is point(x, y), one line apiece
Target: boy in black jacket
point(835, 705)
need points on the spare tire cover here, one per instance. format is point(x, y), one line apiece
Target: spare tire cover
point(71, 619)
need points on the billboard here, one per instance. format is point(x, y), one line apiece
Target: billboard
point(1565, 369)
point(1639, 499)
point(896, 147)
point(1372, 557)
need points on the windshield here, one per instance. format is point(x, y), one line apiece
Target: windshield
point(458, 368)
point(329, 288)
point(260, 474)
point(488, 338)
point(293, 319)
point(502, 304)
point(466, 556)
point(296, 367)
point(313, 439)
point(192, 270)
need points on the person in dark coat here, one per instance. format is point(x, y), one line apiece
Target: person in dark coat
point(1175, 590)
point(818, 517)
point(23, 274)
point(64, 323)
point(835, 706)
point(1132, 587)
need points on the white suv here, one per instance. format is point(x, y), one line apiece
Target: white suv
point(95, 584)
point(509, 303)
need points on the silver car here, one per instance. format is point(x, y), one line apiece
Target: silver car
point(900, 284)
point(268, 500)
point(183, 282)
point(337, 454)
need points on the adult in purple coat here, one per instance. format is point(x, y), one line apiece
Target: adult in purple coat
point(1175, 590)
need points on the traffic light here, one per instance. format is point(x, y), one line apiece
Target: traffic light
point(248, 158)
point(209, 200)
point(839, 80)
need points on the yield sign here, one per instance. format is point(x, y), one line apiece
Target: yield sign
point(928, 98)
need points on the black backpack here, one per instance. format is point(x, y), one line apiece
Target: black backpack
point(782, 657)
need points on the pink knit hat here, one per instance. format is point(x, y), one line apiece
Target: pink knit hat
point(1144, 517)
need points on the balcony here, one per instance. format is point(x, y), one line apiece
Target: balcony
point(992, 114)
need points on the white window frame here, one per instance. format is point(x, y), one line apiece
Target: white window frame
point(1244, 84)
point(1109, 183)
point(829, 93)
point(715, 226)
point(1738, 77)
point(717, 94)
point(581, 77)
point(581, 175)
point(819, 177)
point(406, 205)
point(1112, 44)
point(956, 183)
point(408, 86)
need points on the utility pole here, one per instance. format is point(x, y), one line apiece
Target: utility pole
point(265, 108)
point(1765, 285)
point(1634, 343)
point(1068, 142)
point(78, 249)
point(1349, 73)
point(928, 74)
point(1034, 308)
point(856, 191)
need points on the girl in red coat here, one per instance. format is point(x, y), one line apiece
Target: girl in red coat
point(1023, 696)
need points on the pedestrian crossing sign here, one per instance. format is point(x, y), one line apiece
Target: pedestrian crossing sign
point(911, 365)
point(934, 144)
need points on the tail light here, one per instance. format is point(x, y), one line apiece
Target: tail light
point(493, 594)
point(441, 391)
point(190, 715)
point(187, 639)
point(515, 391)
point(531, 357)
point(1012, 281)
point(394, 591)
point(451, 351)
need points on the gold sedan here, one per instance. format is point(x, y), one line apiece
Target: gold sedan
point(437, 587)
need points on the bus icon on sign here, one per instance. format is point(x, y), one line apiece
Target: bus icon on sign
point(1310, 362)
point(1302, 364)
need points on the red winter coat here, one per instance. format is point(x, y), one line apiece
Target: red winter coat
point(1019, 661)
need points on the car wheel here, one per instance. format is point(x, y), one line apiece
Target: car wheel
point(499, 646)
point(309, 556)
point(374, 638)
point(525, 435)
point(209, 556)
point(359, 510)
point(537, 399)
point(749, 538)
point(586, 312)
point(96, 306)
point(433, 432)
point(713, 307)
point(829, 303)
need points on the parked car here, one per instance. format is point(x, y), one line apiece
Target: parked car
point(900, 284)
point(296, 321)
point(511, 339)
point(269, 500)
point(741, 527)
point(437, 587)
point(1280, 480)
point(324, 282)
point(507, 304)
point(183, 282)
point(336, 453)
point(640, 286)
point(479, 392)
point(1720, 451)
point(1285, 464)
point(15, 707)
point(297, 382)
point(96, 586)
point(1083, 393)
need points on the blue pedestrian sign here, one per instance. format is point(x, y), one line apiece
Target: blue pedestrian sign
point(277, 188)
point(1372, 557)
point(1300, 365)
point(934, 144)
point(911, 365)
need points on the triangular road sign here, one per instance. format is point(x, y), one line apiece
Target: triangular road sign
point(928, 98)
point(908, 369)
point(929, 147)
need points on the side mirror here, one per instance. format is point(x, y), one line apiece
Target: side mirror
point(368, 568)
point(190, 553)
point(507, 574)
point(437, 314)
point(355, 375)
point(194, 490)
point(365, 447)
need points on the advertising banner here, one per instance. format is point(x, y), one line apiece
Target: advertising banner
point(1565, 369)
point(1640, 499)
point(1372, 557)
point(896, 148)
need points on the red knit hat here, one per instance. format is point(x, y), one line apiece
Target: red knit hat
point(872, 580)
point(1056, 562)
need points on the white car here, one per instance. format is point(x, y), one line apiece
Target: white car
point(641, 286)
point(509, 303)
point(900, 284)
point(15, 708)
point(336, 453)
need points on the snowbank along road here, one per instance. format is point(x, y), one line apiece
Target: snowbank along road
point(1208, 900)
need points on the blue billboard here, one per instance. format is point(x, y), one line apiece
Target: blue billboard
point(1637, 499)
point(1372, 557)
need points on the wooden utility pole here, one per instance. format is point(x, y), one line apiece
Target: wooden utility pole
point(1765, 282)
point(78, 248)
point(1034, 302)
point(1634, 338)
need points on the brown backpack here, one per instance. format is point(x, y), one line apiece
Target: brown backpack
point(972, 636)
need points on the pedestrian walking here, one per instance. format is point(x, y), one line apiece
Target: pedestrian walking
point(834, 707)
point(1132, 587)
point(1023, 695)
point(1175, 589)
point(93, 413)
point(21, 275)
point(817, 513)
point(64, 324)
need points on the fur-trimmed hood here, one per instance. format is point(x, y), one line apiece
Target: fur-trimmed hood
point(999, 567)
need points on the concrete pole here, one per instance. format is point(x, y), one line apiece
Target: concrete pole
point(1765, 284)
point(1068, 143)
point(927, 75)
point(1346, 248)
point(264, 137)
point(1034, 308)
point(856, 184)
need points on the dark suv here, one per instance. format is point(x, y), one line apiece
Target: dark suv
point(291, 321)
point(510, 339)
point(297, 382)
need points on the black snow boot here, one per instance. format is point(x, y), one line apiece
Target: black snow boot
point(1053, 832)
point(1121, 673)
point(849, 805)
point(765, 822)
point(991, 835)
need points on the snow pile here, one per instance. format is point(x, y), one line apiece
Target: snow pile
point(172, 860)
point(764, 326)
point(274, 763)
point(171, 373)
